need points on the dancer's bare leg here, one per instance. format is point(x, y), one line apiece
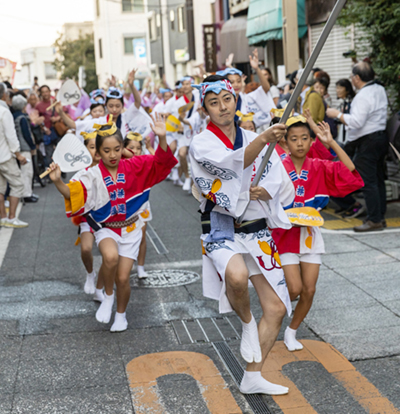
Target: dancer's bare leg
point(236, 280)
point(268, 329)
point(123, 293)
point(301, 280)
point(142, 254)
point(109, 252)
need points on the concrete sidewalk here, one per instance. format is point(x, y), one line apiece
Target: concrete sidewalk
point(56, 358)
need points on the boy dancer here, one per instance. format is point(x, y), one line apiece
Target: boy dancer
point(224, 159)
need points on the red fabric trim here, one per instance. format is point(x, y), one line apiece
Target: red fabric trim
point(215, 130)
point(84, 191)
point(186, 99)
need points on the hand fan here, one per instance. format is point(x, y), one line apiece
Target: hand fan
point(305, 216)
point(71, 155)
point(185, 108)
point(172, 123)
point(68, 94)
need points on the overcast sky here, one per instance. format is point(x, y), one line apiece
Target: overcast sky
point(28, 23)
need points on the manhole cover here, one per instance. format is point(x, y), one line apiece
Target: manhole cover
point(165, 278)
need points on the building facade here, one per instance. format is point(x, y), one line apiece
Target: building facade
point(176, 36)
point(37, 61)
point(73, 31)
point(121, 39)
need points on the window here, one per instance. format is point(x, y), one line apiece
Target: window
point(49, 71)
point(100, 49)
point(97, 8)
point(181, 19)
point(152, 29)
point(172, 19)
point(128, 45)
point(136, 6)
point(158, 24)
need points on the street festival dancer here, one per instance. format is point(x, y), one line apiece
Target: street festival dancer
point(112, 196)
point(86, 233)
point(224, 159)
point(314, 180)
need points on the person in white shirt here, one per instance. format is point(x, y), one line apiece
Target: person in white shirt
point(368, 141)
point(9, 170)
point(261, 101)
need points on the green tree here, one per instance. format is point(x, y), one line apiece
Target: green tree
point(77, 53)
point(380, 22)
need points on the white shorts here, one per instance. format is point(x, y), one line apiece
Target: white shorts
point(251, 265)
point(294, 258)
point(85, 228)
point(128, 245)
point(171, 137)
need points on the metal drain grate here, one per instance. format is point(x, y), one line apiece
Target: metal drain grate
point(206, 330)
point(256, 402)
point(217, 331)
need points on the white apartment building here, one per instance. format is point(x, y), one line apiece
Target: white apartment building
point(157, 36)
point(37, 61)
point(121, 39)
point(72, 31)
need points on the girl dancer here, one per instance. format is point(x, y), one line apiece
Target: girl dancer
point(86, 237)
point(113, 195)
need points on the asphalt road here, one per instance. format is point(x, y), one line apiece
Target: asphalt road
point(178, 355)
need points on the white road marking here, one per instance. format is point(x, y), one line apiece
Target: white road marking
point(353, 233)
point(159, 266)
point(5, 237)
point(155, 240)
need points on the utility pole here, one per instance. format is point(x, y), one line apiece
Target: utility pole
point(290, 35)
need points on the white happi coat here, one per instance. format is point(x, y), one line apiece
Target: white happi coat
point(127, 122)
point(218, 172)
point(185, 139)
point(261, 104)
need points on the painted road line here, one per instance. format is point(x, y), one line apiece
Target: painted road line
point(353, 233)
point(155, 240)
point(174, 265)
point(160, 266)
point(5, 236)
point(336, 364)
point(143, 373)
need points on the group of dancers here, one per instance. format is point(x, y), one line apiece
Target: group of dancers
point(220, 136)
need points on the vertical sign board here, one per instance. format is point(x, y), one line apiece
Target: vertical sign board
point(210, 47)
point(139, 51)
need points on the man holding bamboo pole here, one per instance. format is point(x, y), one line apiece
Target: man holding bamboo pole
point(224, 159)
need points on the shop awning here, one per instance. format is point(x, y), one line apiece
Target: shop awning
point(233, 40)
point(264, 21)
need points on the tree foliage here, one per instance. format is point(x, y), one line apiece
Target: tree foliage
point(380, 21)
point(77, 53)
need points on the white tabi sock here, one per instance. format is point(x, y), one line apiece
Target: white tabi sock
point(141, 272)
point(186, 185)
point(98, 295)
point(254, 383)
point(290, 340)
point(120, 323)
point(90, 286)
point(250, 343)
point(103, 314)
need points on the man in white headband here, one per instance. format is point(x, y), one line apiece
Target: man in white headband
point(224, 159)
